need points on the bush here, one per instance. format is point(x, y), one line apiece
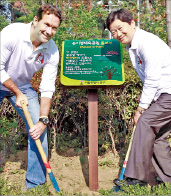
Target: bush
point(3, 22)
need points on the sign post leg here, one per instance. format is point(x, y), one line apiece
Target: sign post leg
point(93, 138)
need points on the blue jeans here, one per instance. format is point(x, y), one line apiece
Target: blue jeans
point(36, 171)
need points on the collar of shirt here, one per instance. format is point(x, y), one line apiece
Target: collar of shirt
point(134, 44)
point(27, 38)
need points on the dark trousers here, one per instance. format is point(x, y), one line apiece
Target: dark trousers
point(150, 142)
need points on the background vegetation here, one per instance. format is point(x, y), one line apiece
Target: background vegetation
point(69, 108)
point(69, 112)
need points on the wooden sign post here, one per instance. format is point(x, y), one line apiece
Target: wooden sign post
point(93, 139)
point(92, 64)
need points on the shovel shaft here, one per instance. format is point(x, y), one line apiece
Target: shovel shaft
point(38, 142)
point(127, 155)
point(40, 148)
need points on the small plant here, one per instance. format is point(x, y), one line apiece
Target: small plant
point(7, 189)
point(106, 163)
point(39, 190)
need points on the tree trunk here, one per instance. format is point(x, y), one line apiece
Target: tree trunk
point(168, 18)
point(12, 14)
point(148, 5)
point(148, 8)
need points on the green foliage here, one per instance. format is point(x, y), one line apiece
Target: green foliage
point(25, 19)
point(10, 136)
point(154, 20)
point(7, 132)
point(39, 190)
point(107, 163)
point(3, 22)
point(162, 189)
point(78, 24)
point(66, 140)
point(31, 5)
point(7, 189)
point(69, 112)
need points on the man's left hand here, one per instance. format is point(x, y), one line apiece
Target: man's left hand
point(37, 130)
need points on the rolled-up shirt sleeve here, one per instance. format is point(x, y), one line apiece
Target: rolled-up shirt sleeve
point(47, 85)
point(152, 61)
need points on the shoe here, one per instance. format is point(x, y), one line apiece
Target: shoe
point(129, 181)
point(158, 180)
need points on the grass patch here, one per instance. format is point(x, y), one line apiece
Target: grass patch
point(162, 189)
point(7, 188)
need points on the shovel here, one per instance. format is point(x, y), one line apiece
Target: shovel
point(121, 177)
point(40, 148)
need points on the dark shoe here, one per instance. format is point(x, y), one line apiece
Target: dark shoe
point(129, 181)
point(158, 180)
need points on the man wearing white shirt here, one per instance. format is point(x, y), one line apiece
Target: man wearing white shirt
point(151, 58)
point(25, 49)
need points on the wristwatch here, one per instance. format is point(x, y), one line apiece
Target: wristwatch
point(44, 120)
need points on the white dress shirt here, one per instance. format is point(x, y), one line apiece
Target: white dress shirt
point(19, 62)
point(151, 58)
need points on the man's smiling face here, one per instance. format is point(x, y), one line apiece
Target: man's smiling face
point(122, 31)
point(46, 28)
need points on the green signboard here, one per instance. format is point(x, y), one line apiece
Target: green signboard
point(92, 62)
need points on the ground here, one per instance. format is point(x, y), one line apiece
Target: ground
point(70, 170)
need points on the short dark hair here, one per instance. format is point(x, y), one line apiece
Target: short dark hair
point(121, 14)
point(48, 9)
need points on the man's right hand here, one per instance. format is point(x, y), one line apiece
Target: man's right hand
point(20, 97)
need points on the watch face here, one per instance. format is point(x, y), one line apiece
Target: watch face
point(44, 120)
